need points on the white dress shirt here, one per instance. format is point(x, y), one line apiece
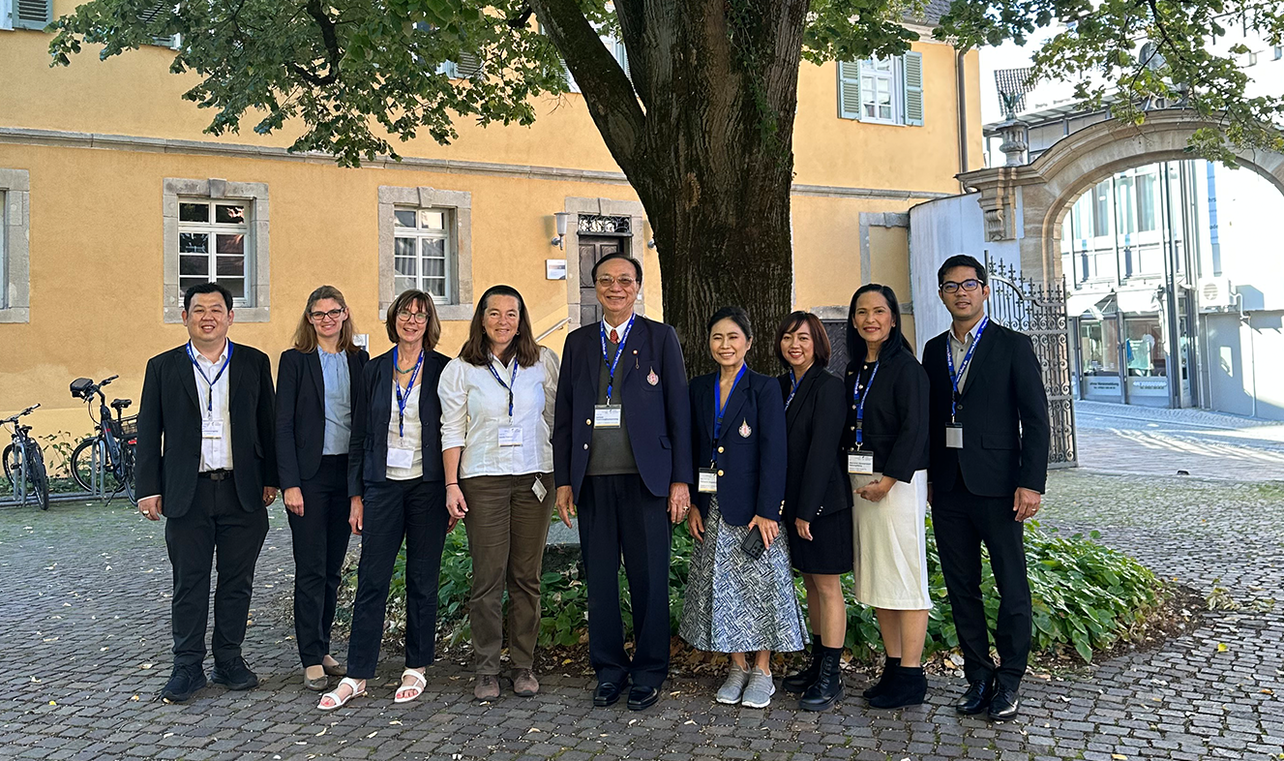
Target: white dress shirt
point(413, 438)
point(474, 407)
point(216, 453)
point(958, 350)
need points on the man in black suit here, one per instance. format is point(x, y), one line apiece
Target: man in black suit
point(206, 460)
point(989, 450)
point(622, 452)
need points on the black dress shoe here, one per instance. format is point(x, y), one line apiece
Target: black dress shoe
point(234, 675)
point(183, 683)
point(907, 687)
point(828, 687)
point(977, 698)
point(642, 697)
point(607, 693)
point(1005, 704)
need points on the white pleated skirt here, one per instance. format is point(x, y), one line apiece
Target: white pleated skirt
point(889, 548)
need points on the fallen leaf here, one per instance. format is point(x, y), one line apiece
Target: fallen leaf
point(1221, 647)
point(145, 666)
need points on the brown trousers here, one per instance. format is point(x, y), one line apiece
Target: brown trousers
point(507, 529)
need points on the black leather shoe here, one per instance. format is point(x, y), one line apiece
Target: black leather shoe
point(1005, 704)
point(828, 687)
point(234, 675)
point(607, 693)
point(799, 682)
point(183, 683)
point(889, 668)
point(976, 699)
point(642, 697)
point(907, 687)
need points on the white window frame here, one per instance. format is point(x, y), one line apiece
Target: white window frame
point(418, 233)
point(212, 228)
point(456, 205)
point(15, 231)
point(255, 307)
point(871, 71)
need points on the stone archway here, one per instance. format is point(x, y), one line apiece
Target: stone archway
point(1027, 202)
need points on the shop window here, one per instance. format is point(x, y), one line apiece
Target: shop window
point(1144, 347)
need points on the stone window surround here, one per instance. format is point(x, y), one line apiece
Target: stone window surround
point(606, 207)
point(257, 287)
point(460, 204)
point(15, 262)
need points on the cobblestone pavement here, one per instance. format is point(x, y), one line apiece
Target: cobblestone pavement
point(1117, 438)
point(84, 637)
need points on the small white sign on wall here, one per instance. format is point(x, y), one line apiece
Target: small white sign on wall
point(555, 269)
point(362, 340)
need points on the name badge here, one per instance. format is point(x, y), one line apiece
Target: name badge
point(954, 436)
point(212, 429)
point(607, 415)
point(860, 463)
point(708, 481)
point(510, 436)
point(401, 458)
point(538, 487)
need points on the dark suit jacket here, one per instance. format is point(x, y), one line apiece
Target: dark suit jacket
point(658, 416)
point(816, 480)
point(896, 415)
point(371, 411)
point(751, 447)
point(1003, 411)
point(300, 411)
point(169, 429)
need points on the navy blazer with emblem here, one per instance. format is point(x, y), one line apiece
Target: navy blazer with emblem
point(752, 447)
point(300, 411)
point(652, 381)
point(372, 410)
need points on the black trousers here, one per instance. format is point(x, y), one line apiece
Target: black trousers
point(320, 540)
point(962, 521)
point(215, 523)
point(395, 510)
point(617, 515)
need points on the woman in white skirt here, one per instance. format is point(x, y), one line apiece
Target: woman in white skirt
point(887, 459)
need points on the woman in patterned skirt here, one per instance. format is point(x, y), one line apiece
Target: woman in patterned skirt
point(738, 430)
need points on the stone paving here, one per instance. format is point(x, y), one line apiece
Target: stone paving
point(84, 634)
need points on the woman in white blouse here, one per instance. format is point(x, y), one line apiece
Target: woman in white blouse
point(496, 422)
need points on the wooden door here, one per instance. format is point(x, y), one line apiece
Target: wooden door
point(593, 249)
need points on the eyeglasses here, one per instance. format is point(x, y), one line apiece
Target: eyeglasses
point(606, 281)
point(971, 284)
point(333, 314)
point(406, 315)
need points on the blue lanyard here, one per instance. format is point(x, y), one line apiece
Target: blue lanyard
point(860, 398)
point(619, 349)
point(720, 409)
point(507, 386)
point(967, 360)
point(209, 405)
point(404, 398)
point(793, 389)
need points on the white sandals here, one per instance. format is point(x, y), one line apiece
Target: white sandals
point(355, 690)
point(413, 690)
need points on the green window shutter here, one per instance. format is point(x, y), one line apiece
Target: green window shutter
point(913, 67)
point(32, 14)
point(849, 90)
point(150, 15)
point(469, 66)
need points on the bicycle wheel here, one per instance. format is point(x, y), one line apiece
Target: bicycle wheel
point(82, 463)
point(127, 463)
point(10, 468)
point(37, 476)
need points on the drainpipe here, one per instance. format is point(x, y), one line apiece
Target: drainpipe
point(960, 89)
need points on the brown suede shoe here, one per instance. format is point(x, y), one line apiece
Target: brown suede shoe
point(524, 683)
point(487, 687)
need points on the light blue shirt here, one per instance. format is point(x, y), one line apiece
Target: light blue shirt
point(338, 402)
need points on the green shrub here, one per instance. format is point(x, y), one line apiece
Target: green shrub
point(1086, 597)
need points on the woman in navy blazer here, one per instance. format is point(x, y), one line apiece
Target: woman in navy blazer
point(397, 489)
point(315, 386)
point(739, 601)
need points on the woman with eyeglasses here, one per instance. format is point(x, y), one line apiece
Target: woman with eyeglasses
point(497, 401)
point(398, 491)
point(315, 387)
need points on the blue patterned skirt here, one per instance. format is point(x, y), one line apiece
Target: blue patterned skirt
point(735, 604)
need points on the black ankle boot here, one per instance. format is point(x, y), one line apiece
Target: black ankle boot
point(907, 688)
point(799, 682)
point(889, 666)
point(828, 687)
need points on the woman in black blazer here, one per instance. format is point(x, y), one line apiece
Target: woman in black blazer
point(887, 435)
point(818, 500)
point(395, 479)
point(314, 391)
point(739, 599)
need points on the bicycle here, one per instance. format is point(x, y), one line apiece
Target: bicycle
point(24, 463)
point(110, 451)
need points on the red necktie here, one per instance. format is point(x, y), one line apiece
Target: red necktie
point(615, 337)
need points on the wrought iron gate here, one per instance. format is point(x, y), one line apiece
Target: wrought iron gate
point(1040, 312)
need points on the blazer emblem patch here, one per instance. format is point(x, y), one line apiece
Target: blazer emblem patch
point(745, 430)
point(652, 378)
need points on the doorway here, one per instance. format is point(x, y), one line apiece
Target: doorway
point(592, 249)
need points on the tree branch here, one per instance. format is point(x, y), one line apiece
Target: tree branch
point(332, 53)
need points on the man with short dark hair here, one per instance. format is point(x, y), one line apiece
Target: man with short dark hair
point(989, 463)
point(622, 453)
point(206, 460)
